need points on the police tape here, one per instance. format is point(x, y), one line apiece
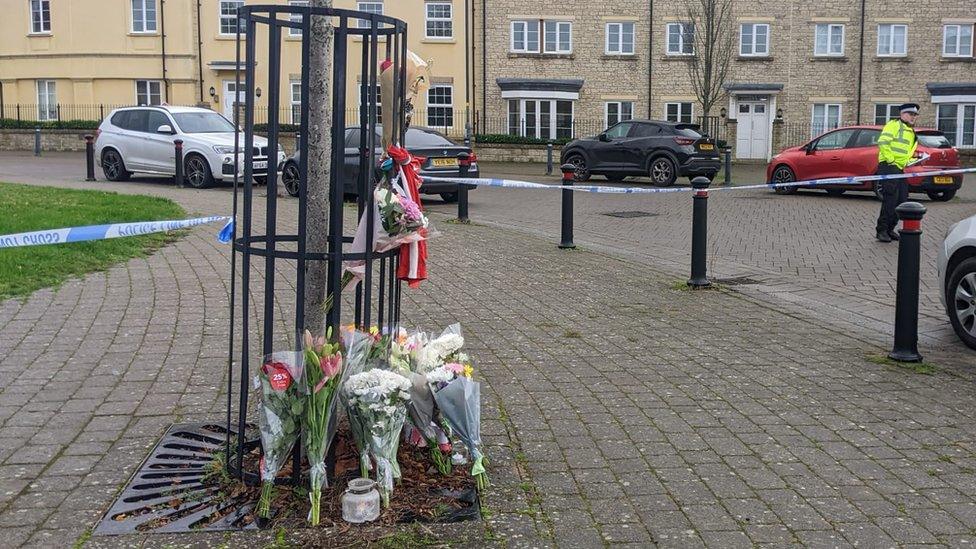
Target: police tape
point(114, 230)
point(516, 184)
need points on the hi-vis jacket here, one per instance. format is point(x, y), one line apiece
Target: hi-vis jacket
point(897, 144)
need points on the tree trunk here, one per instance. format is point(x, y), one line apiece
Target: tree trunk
point(318, 135)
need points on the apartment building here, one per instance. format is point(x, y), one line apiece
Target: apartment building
point(554, 69)
point(69, 59)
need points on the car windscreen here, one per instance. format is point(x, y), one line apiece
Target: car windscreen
point(420, 138)
point(688, 130)
point(202, 122)
point(933, 140)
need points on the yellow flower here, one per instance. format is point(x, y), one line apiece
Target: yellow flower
point(373, 330)
point(468, 370)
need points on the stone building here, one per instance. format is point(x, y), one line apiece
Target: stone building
point(553, 69)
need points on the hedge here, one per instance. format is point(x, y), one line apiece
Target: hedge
point(14, 124)
point(515, 139)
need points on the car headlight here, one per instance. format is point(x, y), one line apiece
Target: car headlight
point(223, 149)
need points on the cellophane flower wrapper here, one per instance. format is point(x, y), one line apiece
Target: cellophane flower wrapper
point(282, 405)
point(460, 404)
point(439, 349)
point(360, 347)
point(378, 398)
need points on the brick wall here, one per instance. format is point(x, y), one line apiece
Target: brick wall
point(51, 140)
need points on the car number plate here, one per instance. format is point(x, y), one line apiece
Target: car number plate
point(444, 162)
point(943, 179)
point(261, 165)
point(706, 147)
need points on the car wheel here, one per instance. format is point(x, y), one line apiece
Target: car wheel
point(290, 178)
point(197, 172)
point(581, 171)
point(783, 174)
point(662, 172)
point(113, 167)
point(942, 196)
point(961, 300)
point(835, 192)
point(450, 198)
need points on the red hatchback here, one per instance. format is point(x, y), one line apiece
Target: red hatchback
point(853, 151)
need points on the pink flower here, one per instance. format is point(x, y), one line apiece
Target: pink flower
point(331, 366)
point(455, 367)
point(410, 209)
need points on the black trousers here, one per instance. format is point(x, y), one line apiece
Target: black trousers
point(893, 193)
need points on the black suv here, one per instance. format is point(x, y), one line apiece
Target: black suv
point(661, 150)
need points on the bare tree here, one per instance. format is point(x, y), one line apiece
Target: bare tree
point(713, 36)
point(318, 135)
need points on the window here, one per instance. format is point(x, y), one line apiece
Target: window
point(440, 106)
point(439, 24)
point(155, 119)
point(619, 131)
point(229, 23)
point(40, 16)
point(678, 112)
point(754, 40)
point(148, 92)
point(835, 140)
point(957, 41)
point(376, 97)
point(535, 117)
point(558, 37)
point(958, 123)
point(618, 111)
point(826, 116)
point(620, 38)
point(296, 18)
point(883, 112)
point(296, 103)
point(369, 7)
point(892, 40)
point(829, 40)
point(866, 138)
point(143, 15)
point(525, 36)
point(47, 100)
point(681, 38)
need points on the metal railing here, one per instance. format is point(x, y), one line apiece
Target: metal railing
point(792, 134)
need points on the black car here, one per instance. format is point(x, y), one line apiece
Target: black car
point(440, 153)
point(661, 150)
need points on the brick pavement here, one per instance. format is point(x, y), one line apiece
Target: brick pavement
point(618, 410)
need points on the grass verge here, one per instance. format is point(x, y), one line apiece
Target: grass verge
point(29, 208)
point(923, 368)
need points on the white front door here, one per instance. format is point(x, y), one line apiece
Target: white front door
point(232, 96)
point(752, 130)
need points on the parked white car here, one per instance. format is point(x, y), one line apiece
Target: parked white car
point(140, 140)
point(957, 278)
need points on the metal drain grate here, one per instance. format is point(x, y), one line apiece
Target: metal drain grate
point(737, 281)
point(630, 214)
point(168, 493)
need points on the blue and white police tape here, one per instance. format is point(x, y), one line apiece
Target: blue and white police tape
point(515, 184)
point(114, 230)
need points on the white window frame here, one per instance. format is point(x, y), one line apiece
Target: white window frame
point(295, 102)
point(553, 117)
point(560, 47)
point(961, 139)
point(379, 100)
point(525, 25)
point(888, 107)
point(447, 106)
point(365, 6)
point(619, 47)
point(826, 118)
point(449, 20)
point(891, 41)
point(682, 34)
point(680, 105)
point(47, 99)
point(144, 21)
point(295, 18)
point(147, 91)
point(620, 112)
point(830, 29)
point(40, 7)
point(221, 18)
point(945, 40)
point(755, 43)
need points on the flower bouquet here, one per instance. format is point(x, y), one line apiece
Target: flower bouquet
point(377, 401)
point(441, 349)
point(282, 403)
point(459, 401)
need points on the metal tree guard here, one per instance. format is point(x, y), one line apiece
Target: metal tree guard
point(281, 251)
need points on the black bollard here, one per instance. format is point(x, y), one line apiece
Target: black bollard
point(464, 164)
point(90, 157)
point(906, 297)
point(37, 142)
point(699, 234)
point(728, 165)
point(548, 158)
point(178, 143)
point(566, 240)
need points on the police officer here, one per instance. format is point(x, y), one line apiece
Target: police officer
point(896, 148)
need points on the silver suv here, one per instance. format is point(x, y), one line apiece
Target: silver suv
point(140, 140)
point(957, 278)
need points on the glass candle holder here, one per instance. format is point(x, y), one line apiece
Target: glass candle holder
point(361, 501)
